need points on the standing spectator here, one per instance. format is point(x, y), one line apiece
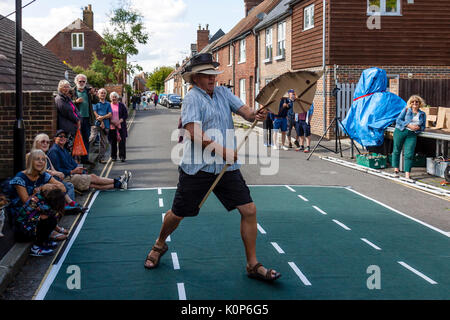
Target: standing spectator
point(409, 123)
point(155, 99)
point(138, 101)
point(133, 101)
point(118, 131)
point(280, 123)
point(267, 127)
point(303, 128)
point(83, 101)
point(69, 119)
point(103, 113)
point(291, 117)
point(63, 161)
point(144, 102)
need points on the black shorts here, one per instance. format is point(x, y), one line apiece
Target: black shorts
point(232, 191)
point(303, 128)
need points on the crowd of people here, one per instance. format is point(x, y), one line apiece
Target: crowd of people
point(284, 121)
point(42, 193)
point(144, 102)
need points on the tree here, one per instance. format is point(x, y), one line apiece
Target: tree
point(155, 80)
point(99, 66)
point(121, 42)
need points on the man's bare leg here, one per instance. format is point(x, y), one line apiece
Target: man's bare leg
point(170, 223)
point(249, 231)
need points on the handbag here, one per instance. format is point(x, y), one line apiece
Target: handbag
point(78, 145)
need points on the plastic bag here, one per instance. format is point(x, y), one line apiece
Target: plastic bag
point(78, 145)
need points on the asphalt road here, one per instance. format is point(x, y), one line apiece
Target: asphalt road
point(152, 143)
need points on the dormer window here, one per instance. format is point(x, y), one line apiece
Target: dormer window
point(77, 41)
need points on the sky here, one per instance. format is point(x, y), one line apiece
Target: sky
point(171, 24)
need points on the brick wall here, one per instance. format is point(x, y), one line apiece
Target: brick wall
point(39, 114)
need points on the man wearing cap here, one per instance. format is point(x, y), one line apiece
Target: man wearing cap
point(209, 145)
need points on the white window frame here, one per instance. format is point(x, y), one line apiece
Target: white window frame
point(281, 41)
point(382, 11)
point(242, 90)
point(242, 51)
point(77, 40)
point(269, 45)
point(230, 55)
point(308, 17)
point(217, 56)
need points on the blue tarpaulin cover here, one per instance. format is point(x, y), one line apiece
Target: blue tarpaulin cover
point(373, 109)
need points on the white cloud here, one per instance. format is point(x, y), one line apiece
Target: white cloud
point(45, 28)
point(7, 8)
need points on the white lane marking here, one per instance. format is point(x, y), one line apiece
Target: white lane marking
point(181, 291)
point(277, 247)
point(290, 188)
point(168, 237)
point(299, 274)
point(302, 197)
point(161, 203)
point(320, 210)
point(159, 191)
point(341, 224)
point(261, 229)
point(401, 213)
point(176, 263)
point(370, 244)
point(420, 274)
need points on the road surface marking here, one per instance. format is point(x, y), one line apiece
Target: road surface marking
point(341, 224)
point(277, 247)
point(303, 198)
point(370, 244)
point(159, 191)
point(176, 264)
point(168, 237)
point(290, 188)
point(299, 274)
point(420, 274)
point(161, 203)
point(261, 229)
point(320, 210)
point(181, 291)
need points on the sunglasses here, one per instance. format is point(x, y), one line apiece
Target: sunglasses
point(81, 81)
point(418, 102)
point(45, 141)
point(62, 137)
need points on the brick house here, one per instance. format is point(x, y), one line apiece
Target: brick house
point(42, 71)
point(140, 83)
point(274, 39)
point(76, 43)
point(408, 39)
point(237, 52)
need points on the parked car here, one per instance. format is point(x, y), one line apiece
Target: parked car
point(162, 98)
point(173, 100)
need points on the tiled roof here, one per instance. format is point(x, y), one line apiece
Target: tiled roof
point(247, 23)
point(280, 10)
point(42, 70)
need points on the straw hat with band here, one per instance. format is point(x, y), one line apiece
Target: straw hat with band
point(201, 63)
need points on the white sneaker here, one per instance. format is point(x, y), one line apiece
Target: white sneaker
point(275, 147)
point(285, 148)
point(128, 176)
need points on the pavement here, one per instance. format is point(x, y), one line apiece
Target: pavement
point(148, 154)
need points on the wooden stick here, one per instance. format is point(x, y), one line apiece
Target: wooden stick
point(238, 148)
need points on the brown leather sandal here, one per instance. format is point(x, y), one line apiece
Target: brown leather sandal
point(254, 274)
point(155, 261)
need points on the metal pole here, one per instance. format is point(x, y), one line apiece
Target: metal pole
point(19, 127)
point(324, 66)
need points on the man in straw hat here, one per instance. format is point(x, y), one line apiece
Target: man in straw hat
point(206, 113)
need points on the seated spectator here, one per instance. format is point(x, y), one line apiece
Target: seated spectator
point(28, 183)
point(42, 142)
point(103, 113)
point(63, 161)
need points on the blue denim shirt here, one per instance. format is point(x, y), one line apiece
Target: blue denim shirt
point(406, 117)
point(214, 117)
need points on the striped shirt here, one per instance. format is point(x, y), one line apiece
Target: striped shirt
point(214, 117)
